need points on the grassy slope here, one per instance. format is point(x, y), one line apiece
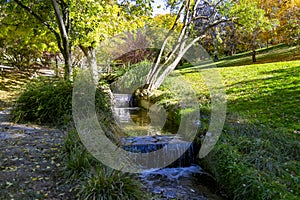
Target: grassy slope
point(258, 155)
point(264, 55)
point(263, 93)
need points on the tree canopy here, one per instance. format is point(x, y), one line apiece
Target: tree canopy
point(34, 27)
point(80, 23)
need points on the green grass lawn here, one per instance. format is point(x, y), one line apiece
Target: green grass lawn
point(261, 93)
point(258, 154)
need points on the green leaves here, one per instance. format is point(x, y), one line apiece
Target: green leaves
point(44, 101)
point(22, 38)
point(249, 16)
point(93, 21)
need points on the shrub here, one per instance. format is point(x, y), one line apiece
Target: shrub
point(45, 100)
point(49, 101)
point(76, 158)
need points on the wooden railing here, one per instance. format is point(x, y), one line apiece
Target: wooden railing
point(3, 68)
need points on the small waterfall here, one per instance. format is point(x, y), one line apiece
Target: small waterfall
point(158, 151)
point(174, 152)
point(181, 179)
point(122, 100)
point(122, 109)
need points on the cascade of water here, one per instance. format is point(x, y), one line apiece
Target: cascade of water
point(121, 100)
point(163, 150)
point(178, 180)
point(174, 151)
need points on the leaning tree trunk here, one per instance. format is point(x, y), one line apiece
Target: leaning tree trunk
point(156, 79)
point(163, 66)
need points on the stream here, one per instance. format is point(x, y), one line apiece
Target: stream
point(182, 179)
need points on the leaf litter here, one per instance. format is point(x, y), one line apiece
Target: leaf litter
point(30, 167)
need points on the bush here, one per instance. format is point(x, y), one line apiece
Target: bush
point(75, 156)
point(49, 101)
point(45, 100)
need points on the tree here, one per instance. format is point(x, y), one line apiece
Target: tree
point(59, 27)
point(284, 18)
point(198, 17)
point(84, 23)
point(289, 21)
point(23, 41)
point(93, 22)
point(254, 22)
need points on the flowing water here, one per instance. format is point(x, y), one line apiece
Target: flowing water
point(181, 179)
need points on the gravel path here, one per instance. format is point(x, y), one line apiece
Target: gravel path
point(29, 163)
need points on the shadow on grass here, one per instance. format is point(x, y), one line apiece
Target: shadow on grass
point(10, 83)
point(273, 54)
point(10, 79)
point(274, 98)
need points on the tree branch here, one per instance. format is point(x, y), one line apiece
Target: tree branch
point(43, 21)
point(38, 17)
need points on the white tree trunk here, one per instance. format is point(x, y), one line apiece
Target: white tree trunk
point(93, 64)
point(160, 70)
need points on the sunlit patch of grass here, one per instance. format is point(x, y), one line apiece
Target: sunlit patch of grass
point(10, 84)
point(262, 93)
point(266, 94)
point(257, 156)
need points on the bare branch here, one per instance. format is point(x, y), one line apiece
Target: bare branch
point(217, 22)
point(215, 7)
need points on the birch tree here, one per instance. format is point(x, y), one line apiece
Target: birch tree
point(196, 18)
